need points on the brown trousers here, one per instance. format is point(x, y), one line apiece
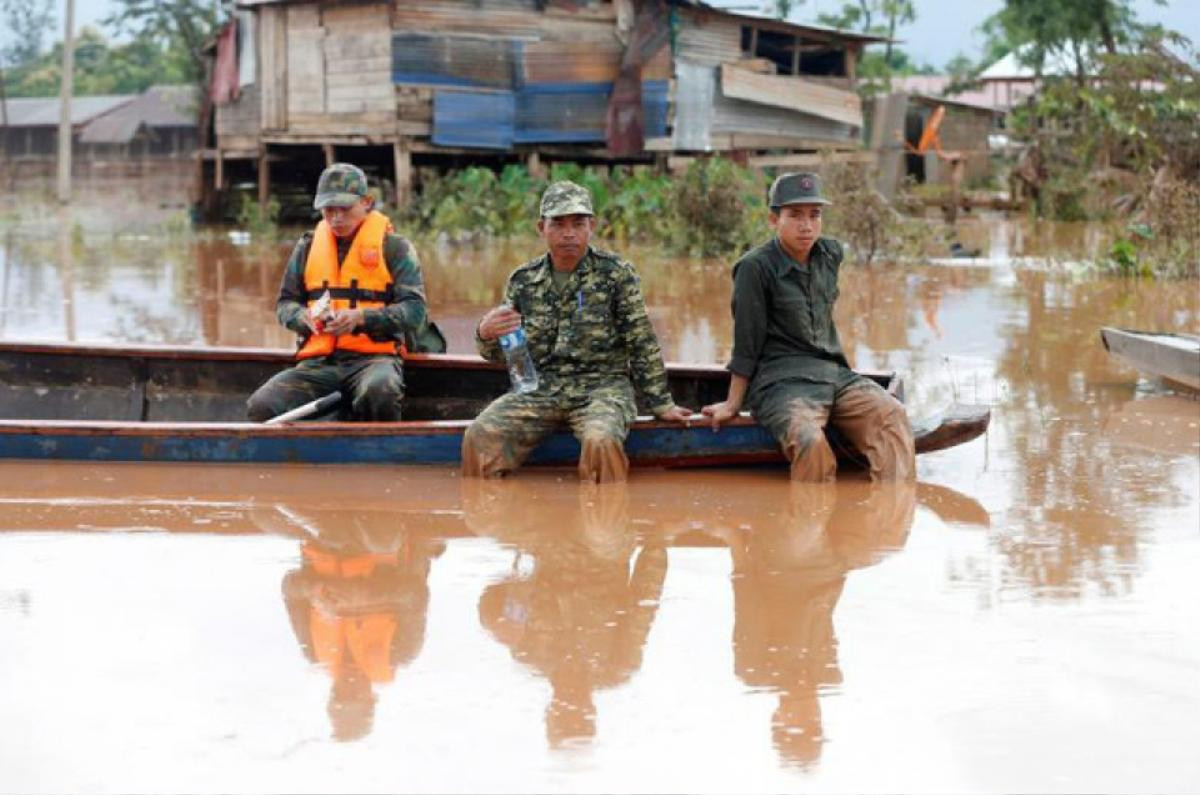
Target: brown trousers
point(870, 419)
point(509, 429)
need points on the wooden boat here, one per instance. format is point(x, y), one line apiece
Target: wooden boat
point(1172, 357)
point(160, 403)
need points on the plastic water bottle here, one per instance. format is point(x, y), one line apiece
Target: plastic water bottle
point(520, 364)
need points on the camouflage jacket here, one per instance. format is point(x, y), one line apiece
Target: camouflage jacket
point(595, 330)
point(404, 315)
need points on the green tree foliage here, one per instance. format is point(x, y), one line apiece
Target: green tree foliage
point(100, 67)
point(1078, 28)
point(1125, 146)
point(185, 26)
point(878, 18)
point(23, 24)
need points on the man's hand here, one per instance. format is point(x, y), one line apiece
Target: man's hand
point(344, 321)
point(309, 322)
point(720, 412)
point(677, 414)
point(498, 322)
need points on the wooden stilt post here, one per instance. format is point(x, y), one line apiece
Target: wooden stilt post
point(534, 165)
point(219, 170)
point(404, 172)
point(264, 178)
point(958, 169)
point(330, 156)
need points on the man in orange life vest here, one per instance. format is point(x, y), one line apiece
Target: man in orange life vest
point(377, 301)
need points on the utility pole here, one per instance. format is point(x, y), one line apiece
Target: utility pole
point(64, 118)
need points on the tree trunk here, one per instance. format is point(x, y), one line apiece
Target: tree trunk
point(1105, 25)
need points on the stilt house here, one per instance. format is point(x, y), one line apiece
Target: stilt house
point(444, 82)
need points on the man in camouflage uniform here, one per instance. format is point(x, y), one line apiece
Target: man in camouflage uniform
point(355, 347)
point(591, 341)
point(788, 363)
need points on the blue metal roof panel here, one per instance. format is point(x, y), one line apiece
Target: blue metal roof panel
point(473, 119)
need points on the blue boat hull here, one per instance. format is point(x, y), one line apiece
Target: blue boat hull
point(650, 443)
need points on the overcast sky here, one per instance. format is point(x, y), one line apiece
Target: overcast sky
point(943, 28)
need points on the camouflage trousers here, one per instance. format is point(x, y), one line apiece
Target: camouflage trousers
point(372, 387)
point(508, 430)
point(870, 419)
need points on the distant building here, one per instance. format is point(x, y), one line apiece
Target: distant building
point(30, 124)
point(121, 132)
point(442, 82)
point(159, 123)
point(1009, 82)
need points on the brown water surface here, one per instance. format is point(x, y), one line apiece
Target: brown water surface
point(1023, 619)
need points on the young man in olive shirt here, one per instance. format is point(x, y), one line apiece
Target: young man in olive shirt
point(788, 364)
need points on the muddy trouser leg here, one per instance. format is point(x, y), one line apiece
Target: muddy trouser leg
point(375, 386)
point(505, 433)
point(876, 423)
point(304, 383)
point(791, 413)
point(601, 425)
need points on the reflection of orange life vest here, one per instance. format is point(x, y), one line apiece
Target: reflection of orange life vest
point(364, 639)
point(361, 282)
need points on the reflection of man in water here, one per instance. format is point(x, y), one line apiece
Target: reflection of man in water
point(581, 616)
point(357, 603)
point(788, 574)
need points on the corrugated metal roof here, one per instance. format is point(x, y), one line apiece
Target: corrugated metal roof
point(159, 106)
point(762, 19)
point(476, 119)
point(765, 19)
point(44, 111)
point(934, 87)
point(542, 113)
point(1056, 64)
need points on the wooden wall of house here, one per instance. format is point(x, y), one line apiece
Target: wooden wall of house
point(708, 39)
point(963, 130)
point(753, 107)
point(339, 71)
point(332, 72)
point(238, 123)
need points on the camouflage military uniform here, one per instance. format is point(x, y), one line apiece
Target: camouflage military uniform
point(593, 345)
point(373, 385)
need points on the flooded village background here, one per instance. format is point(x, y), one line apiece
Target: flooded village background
point(1021, 619)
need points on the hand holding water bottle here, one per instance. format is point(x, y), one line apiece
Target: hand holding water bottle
point(498, 322)
point(504, 324)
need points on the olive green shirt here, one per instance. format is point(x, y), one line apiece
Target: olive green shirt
point(783, 316)
point(591, 331)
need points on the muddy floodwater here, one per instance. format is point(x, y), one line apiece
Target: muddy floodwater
point(1024, 618)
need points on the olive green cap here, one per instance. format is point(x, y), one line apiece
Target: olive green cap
point(340, 185)
point(566, 198)
point(803, 187)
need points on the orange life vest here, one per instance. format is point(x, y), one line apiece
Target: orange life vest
point(365, 639)
point(362, 281)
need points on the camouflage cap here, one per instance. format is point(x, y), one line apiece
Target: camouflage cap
point(340, 185)
point(803, 187)
point(566, 198)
